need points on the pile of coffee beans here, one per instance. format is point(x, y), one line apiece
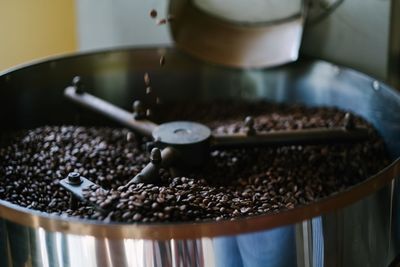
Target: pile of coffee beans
point(234, 182)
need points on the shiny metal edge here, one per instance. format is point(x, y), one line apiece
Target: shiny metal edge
point(394, 45)
point(68, 55)
point(165, 231)
point(253, 24)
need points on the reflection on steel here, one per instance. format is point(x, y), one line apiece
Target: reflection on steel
point(143, 127)
point(75, 250)
point(235, 44)
point(294, 137)
point(359, 227)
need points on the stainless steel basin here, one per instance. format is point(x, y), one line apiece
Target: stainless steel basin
point(358, 227)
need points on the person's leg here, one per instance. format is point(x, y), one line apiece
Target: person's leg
point(227, 252)
point(273, 248)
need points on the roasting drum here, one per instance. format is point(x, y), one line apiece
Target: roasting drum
point(358, 227)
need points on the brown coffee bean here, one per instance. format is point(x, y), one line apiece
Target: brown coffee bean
point(153, 13)
point(146, 79)
point(234, 183)
point(161, 22)
point(162, 61)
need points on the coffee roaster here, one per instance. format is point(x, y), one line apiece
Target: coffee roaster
point(356, 227)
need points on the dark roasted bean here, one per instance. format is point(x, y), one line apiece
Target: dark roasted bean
point(161, 22)
point(146, 79)
point(235, 182)
point(153, 13)
point(162, 61)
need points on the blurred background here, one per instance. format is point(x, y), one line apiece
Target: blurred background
point(356, 34)
point(36, 29)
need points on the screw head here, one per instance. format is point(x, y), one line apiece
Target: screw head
point(149, 113)
point(249, 123)
point(348, 121)
point(155, 156)
point(375, 85)
point(74, 178)
point(137, 105)
point(138, 110)
point(77, 83)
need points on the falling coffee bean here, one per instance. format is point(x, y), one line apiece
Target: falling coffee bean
point(162, 61)
point(146, 79)
point(161, 22)
point(153, 13)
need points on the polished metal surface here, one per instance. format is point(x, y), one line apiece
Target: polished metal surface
point(358, 227)
point(228, 42)
point(356, 34)
point(394, 45)
point(181, 133)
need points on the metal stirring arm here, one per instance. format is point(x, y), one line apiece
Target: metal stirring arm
point(294, 137)
point(132, 121)
point(251, 138)
point(189, 131)
point(77, 185)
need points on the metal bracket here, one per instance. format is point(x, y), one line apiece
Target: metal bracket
point(76, 185)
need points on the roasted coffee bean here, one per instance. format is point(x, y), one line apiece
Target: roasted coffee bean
point(162, 61)
point(153, 13)
point(127, 215)
point(146, 79)
point(148, 90)
point(161, 22)
point(234, 183)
